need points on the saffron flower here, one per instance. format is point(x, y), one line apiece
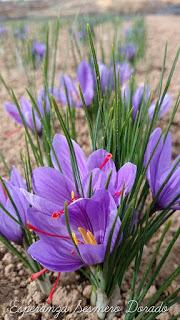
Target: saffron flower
point(10, 229)
point(90, 221)
point(123, 72)
point(38, 51)
point(53, 187)
point(163, 106)
point(141, 94)
point(43, 105)
point(26, 109)
point(104, 76)
point(69, 88)
point(159, 168)
point(128, 51)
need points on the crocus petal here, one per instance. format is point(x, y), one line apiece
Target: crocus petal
point(52, 185)
point(124, 72)
point(48, 227)
point(41, 204)
point(13, 111)
point(68, 92)
point(171, 190)
point(61, 149)
point(3, 195)
point(98, 180)
point(56, 255)
point(43, 103)
point(142, 93)
point(125, 179)
point(163, 108)
point(9, 228)
point(160, 161)
point(96, 160)
point(104, 75)
point(85, 78)
point(92, 254)
point(16, 179)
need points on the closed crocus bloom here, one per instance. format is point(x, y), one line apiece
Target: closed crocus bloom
point(53, 187)
point(159, 168)
point(104, 76)
point(90, 220)
point(163, 106)
point(38, 49)
point(26, 109)
point(124, 72)
point(142, 93)
point(128, 51)
point(9, 228)
point(125, 93)
point(69, 89)
point(43, 103)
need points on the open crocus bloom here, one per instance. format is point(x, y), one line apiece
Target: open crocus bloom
point(69, 90)
point(8, 227)
point(53, 187)
point(159, 168)
point(163, 106)
point(90, 221)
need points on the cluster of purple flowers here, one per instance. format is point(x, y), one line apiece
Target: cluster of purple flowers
point(68, 92)
point(143, 94)
point(91, 219)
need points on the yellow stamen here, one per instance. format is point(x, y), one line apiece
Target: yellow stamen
point(91, 238)
point(72, 196)
point(87, 236)
point(74, 238)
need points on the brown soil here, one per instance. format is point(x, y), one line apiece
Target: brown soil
point(14, 282)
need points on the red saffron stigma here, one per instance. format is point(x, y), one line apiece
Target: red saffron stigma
point(36, 275)
point(31, 227)
point(57, 214)
point(106, 159)
point(118, 193)
point(50, 297)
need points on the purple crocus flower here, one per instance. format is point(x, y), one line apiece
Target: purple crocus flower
point(159, 168)
point(163, 106)
point(123, 73)
point(141, 94)
point(43, 102)
point(90, 220)
point(84, 80)
point(8, 227)
point(38, 51)
point(104, 76)
point(26, 109)
point(52, 187)
point(128, 51)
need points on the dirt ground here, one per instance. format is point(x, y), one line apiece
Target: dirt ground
point(14, 281)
